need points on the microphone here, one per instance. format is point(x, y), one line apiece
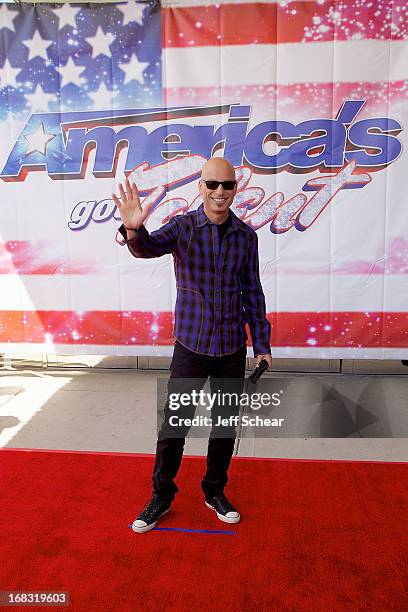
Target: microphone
point(258, 371)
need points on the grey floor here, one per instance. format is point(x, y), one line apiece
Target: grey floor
point(359, 416)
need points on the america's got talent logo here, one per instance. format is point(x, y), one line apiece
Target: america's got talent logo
point(162, 158)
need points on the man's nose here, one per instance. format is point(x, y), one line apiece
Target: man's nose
point(220, 190)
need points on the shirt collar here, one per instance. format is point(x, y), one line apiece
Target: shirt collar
point(202, 218)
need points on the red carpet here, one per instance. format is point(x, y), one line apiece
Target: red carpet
point(319, 536)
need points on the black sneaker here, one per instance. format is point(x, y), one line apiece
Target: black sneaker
point(224, 509)
point(147, 519)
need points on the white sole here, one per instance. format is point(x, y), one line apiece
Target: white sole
point(224, 519)
point(138, 529)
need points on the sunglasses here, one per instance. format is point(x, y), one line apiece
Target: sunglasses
point(227, 185)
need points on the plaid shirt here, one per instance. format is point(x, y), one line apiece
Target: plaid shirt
point(218, 290)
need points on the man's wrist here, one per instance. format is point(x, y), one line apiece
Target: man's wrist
point(128, 234)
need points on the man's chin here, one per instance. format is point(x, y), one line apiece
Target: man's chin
point(219, 207)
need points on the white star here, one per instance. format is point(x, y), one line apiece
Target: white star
point(37, 46)
point(8, 75)
point(102, 97)
point(6, 17)
point(134, 70)
point(66, 16)
point(100, 43)
point(133, 12)
point(70, 73)
point(38, 140)
point(39, 99)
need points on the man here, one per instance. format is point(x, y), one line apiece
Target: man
point(218, 291)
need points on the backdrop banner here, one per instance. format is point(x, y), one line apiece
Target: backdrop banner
point(307, 99)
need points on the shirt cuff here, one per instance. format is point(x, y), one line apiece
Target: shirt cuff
point(261, 349)
point(122, 231)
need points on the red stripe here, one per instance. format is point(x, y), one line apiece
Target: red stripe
point(241, 24)
point(299, 99)
point(297, 329)
point(25, 257)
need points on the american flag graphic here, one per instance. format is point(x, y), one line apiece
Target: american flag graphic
point(334, 290)
point(74, 57)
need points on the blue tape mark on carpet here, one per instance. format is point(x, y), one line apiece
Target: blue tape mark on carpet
point(192, 530)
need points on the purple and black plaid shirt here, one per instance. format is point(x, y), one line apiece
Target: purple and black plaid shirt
point(218, 290)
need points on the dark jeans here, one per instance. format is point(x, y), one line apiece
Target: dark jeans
point(169, 452)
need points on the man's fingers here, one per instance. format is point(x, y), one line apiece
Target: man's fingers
point(122, 193)
point(116, 200)
point(146, 208)
point(135, 192)
point(267, 357)
point(128, 189)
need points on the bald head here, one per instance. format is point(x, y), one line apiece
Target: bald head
point(217, 188)
point(218, 167)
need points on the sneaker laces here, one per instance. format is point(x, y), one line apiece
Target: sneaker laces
point(153, 506)
point(222, 503)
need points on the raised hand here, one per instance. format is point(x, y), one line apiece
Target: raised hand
point(129, 206)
